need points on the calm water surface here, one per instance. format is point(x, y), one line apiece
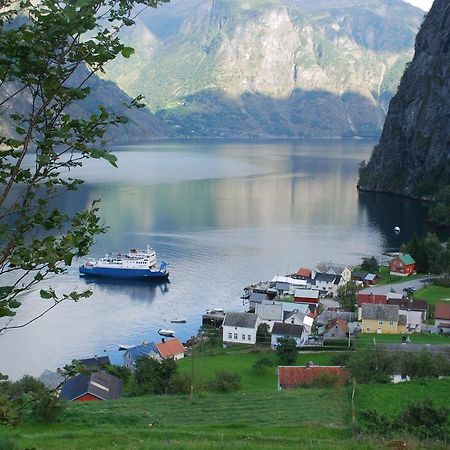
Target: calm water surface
point(224, 215)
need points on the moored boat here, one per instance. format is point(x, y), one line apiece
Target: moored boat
point(136, 264)
point(178, 320)
point(166, 332)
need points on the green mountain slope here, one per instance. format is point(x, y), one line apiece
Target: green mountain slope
point(262, 68)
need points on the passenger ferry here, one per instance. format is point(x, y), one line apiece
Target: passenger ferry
point(136, 264)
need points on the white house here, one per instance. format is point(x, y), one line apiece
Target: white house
point(328, 283)
point(282, 330)
point(334, 269)
point(294, 317)
point(240, 328)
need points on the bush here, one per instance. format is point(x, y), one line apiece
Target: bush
point(47, 407)
point(121, 372)
point(286, 351)
point(225, 382)
point(260, 366)
point(179, 384)
point(372, 365)
point(7, 443)
point(340, 359)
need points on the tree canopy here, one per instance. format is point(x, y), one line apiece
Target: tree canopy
point(49, 52)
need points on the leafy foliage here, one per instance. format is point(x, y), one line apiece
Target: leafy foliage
point(263, 334)
point(225, 382)
point(370, 265)
point(260, 366)
point(49, 51)
point(286, 351)
point(347, 295)
point(373, 365)
point(152, 376)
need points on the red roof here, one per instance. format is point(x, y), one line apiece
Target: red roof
point(304, 272)
point(339, 322)
point(293, 376)
point(442, 311)
point(170, 348)
point(377, 299)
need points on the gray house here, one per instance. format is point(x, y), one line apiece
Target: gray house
point(335, 329)
point(282, 330)
point(269, 313)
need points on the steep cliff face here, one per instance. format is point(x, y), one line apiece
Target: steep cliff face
point(413, 154)
point(262, 68)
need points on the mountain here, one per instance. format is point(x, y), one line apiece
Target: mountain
point(270, 68)
point(413, 154)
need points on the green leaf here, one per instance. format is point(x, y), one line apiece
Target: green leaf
point(46, 294)
point(127, 52)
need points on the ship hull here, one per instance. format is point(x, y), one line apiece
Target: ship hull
point(134, 274)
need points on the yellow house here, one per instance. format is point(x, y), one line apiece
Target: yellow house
point(382, 319)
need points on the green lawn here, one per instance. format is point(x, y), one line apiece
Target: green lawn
point(434, 294)
point(366, 339)
point(206, 367)
point(387, 278)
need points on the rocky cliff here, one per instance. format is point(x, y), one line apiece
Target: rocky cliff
point(270, 68)
point(413, 155)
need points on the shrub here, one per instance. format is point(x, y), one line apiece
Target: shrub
point(373, 422)
point(259, 367)
point(47, 407)
point(340, 359)
point(372, 365)
point(121, 372)
point(179, 384)
point(225, 382)
point(286, 351)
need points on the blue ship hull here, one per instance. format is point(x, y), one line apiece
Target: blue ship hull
point(135, 274)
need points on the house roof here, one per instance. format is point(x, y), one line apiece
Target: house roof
point(371, 276)
point(329, 314)
point(243, 320)
point(302, 272)
point(287, 329)
point(288, 314)
point(257, 297)
point(406, 258)
point(144, 349)
point(272, 311)
point(337, 268)
point(306, 293)
point(372, 298)
point(99, 384)
point(292, 376)
point(380, 312)
point(170, 348)
point(404, 303)
point(326, 277)
point(358, 274)
point(51, 379)
point(336, 322)
point(96, 362)
point(442, 311)
point(282, 286)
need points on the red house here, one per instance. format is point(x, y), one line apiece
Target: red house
point(402, 265)
point(303, 273)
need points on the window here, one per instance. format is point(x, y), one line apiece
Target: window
point(249, 337)
point(243, 337)
point(380, 322)
point(368, 330)
point(235, 335)
point(391, 322)
point(230, 335)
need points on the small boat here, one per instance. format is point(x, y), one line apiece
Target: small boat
point(178, 320)
point(165, 332)
point(136, 264)
point(124, 347)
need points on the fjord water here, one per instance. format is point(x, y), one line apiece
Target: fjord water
point(225, 215)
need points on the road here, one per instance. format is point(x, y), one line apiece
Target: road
point(397, 287)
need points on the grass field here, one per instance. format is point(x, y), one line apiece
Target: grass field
point(365, 340)
point(241, 363)
point(434, 294)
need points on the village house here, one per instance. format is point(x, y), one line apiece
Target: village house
point(304, 274)
point(335, 329)
point(307, 296)
point(144, 350)
point(414, 310)
point(442, 317)
point(283, 330)
point(365, 278)
point(380, 318)
point(294, 376)
point(269, 313)
point(240, 328)
point(334, 269)
point(402, 265)
point(98, 385)
point(373, 299)
point(171, 348)
point(327, 283)
point(294, 317)
point(334, 313)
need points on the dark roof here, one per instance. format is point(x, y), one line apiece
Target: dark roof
point(404, 303)
point(243, 320)
point(97, 362)
point(141, 350)
point(289, 314)
point(327, 277)
point(99, 384)
point(442, 311)
point(287, 329)
point(51, 379)
point(380, 312)
point(358, 274)
point(258, 297)
point(337, 280)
